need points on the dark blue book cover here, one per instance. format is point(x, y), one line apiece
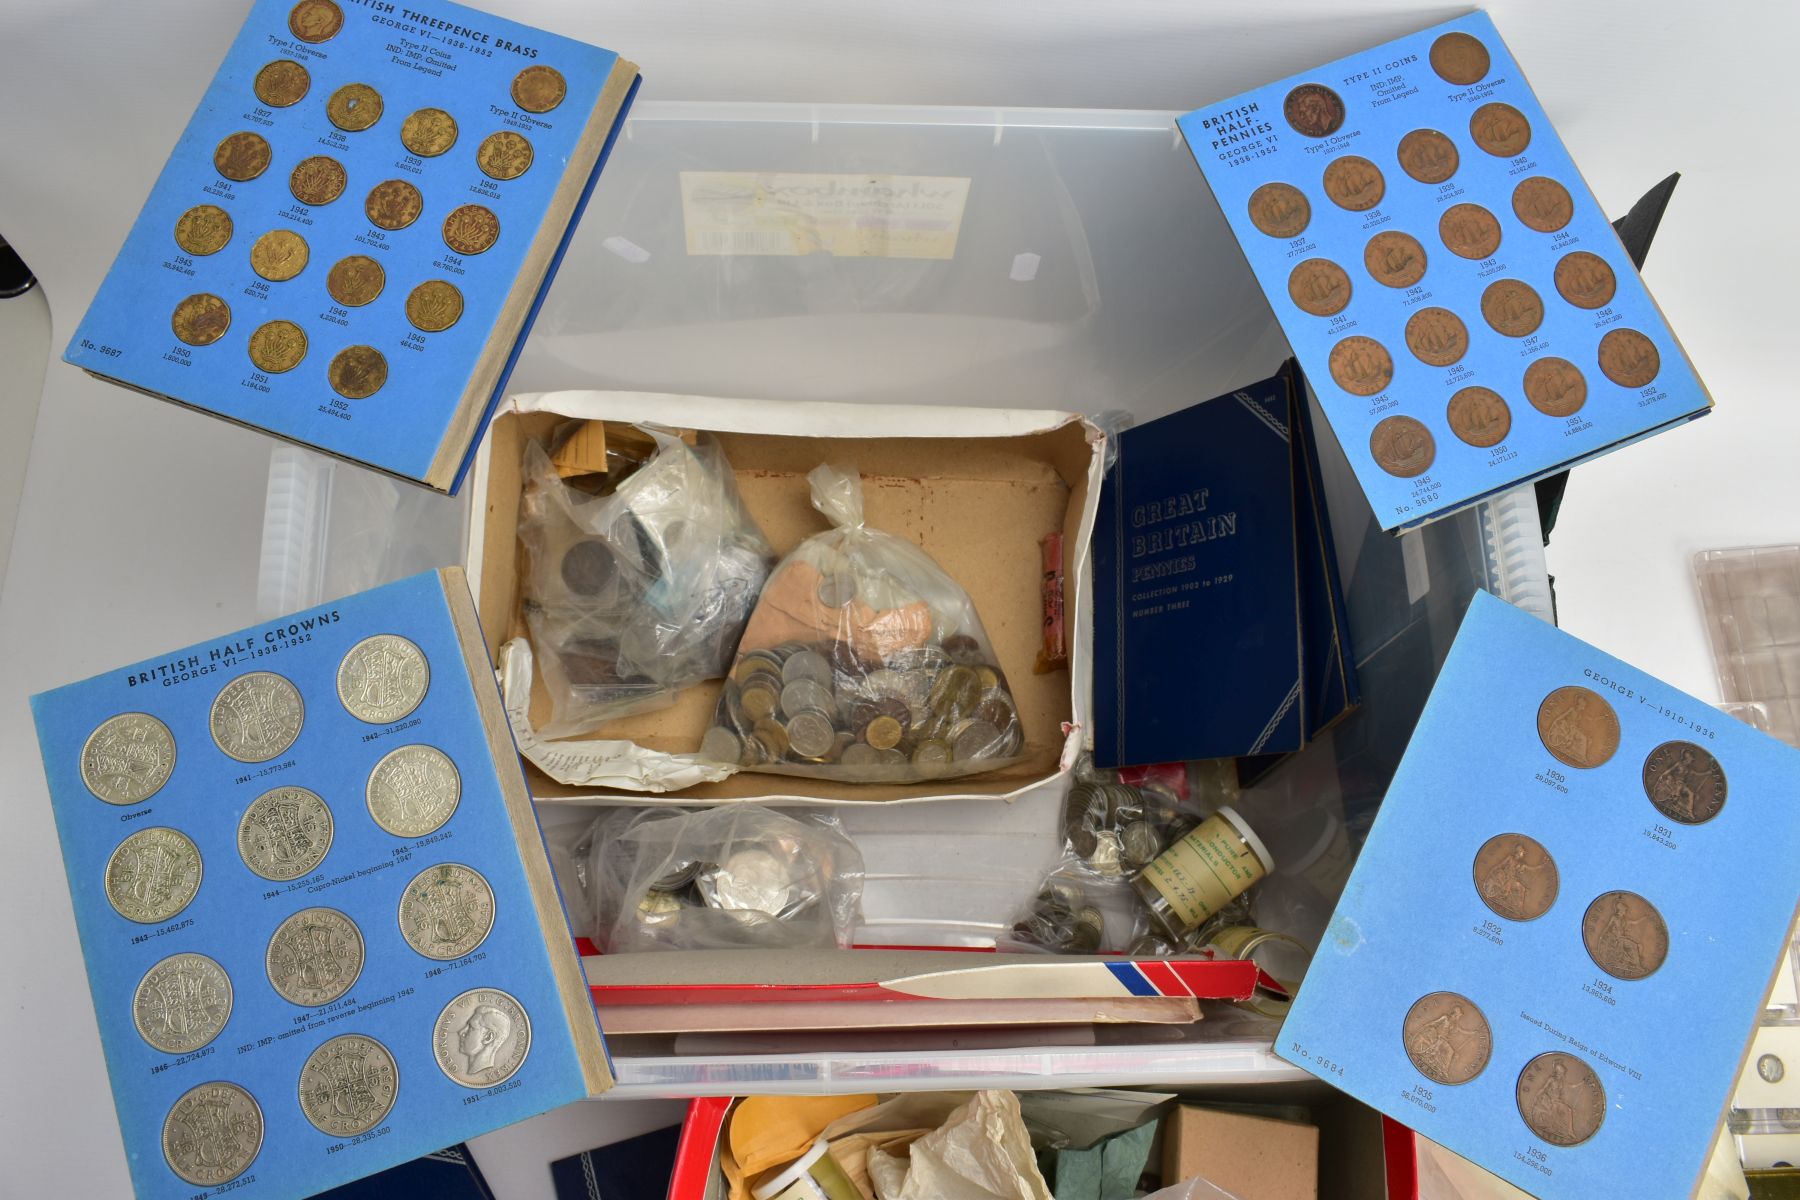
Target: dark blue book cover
point(447, 1174)
point(637, 1168)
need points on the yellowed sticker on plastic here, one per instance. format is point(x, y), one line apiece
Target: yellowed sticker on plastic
point(848, 216)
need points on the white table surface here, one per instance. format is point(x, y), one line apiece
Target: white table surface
point(140, 524)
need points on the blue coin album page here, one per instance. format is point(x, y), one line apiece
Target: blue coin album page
point(320, 928)
point(1556, 941)
point(1463, 308)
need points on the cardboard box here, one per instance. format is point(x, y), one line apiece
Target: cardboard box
point(1251, 1157)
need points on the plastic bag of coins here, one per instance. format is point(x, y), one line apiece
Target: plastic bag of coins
point(1554, 945)
point(1467, 317)
point(864, 662)
point(737, 877)
point(348, 243)
point(639, 592)
point(321, 933)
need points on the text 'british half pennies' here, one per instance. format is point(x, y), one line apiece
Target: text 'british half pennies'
point(1395, 259)
point(348, 1085)
point(1447, 1038)
point(242, 156)
point(428, 132)
point(1629, 359)
point(279, 255)
point(282, 83)
point(434, 306)
point(1578, 727)
point(1515, 876)
point(200, 319)
point(152, 875)
point(504, 155)
point(355, 280)
point(1320, 287)
point(277, 346)
point(1428, 156)
point(1560, 1098)
point(1684, 782)
point(412, 791)
point(1437, 337)
point(317, 180)
point(1625, 935)
point(357, 372)
point(1313, 110)
point(1479, 416)
point(1555, 387)
point(539, 89)
point(1361, 365)
point(128, 758)
point(315, 20)
point(354, 107)
point(1403, 447)
point(1460, 59)
point(256, 716)
point(182, 1003)
point(212, 1134)
point(471, 229)
point(393, 204)
point(203, 229)
point(285, 833)
point(1585, 280)
point(481, 1038)
point(1512, 307)
point(446, 911)
point(314, 957)
point(1280, 210)
point(1543, 204)
point(1469, 231)
point(382, 678)
point(1354, 183)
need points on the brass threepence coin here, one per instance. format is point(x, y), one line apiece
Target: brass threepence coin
point(354, 107)
point(1515, 876)
point(152, 875)
point(504, 155)
point(1578, 727)
point(1479, 416)
point(538, 89)
point(279, 255)
point(201, 319)
point(1460, 59)
point(1313, 110)
point(1447, 1038)
point(1280, 210)
point(1560, 1098)
point(393, 204)
point(1543, 204)
point(212, 1134)
point(471, 229)
point(357, 372)
point(412, 791)
point(285, 833)
point(256, 716)
point(1686, 783)
point(1402, 446)
point(1585, 280)
point(1354, 183)
point(315, 20)
point(1512, 307)
point(1469, 231)
point(428, 132)
point(481, 1038)
point(1625, 935)
point(317, 180)
point(314, 956)
point(1629, 359)
point(447, 910)
point(1500, 129)
point(1437, 336)
point(1319, 286)
point(1395, 259)
point(203, 229)
point(355, 280)
point(128, 758)
point(242, 156)
point(383, 678)
point(348, 1085)
point(277, 346)
point(1361, 365)
point(1555, 387)
point(282, 83)
point(182, 1003)
point(434, 306)
point(1428, 156)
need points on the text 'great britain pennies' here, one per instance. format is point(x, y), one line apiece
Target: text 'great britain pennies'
point(471, 229)
point(357, 372)
point(1402, 447)
point(279, 255)
point(203, 229)
point(152, 875)
point(1280, 210)
point(412, 791)
point(1516, 877)
point(382, 678)
point(285, 833)
point(1469, 231)
point(182, 1003)
point(1361, 365)
point(1555, 387)
point(1354, 183)
point(1625, 935)
point(348, 1085)
point(504, 155)
point(1578, 727)
point(201, 319)
point(1560, 1098)
point(1437, 336)
point(354, 107)
point(277, 346)
point(481, 1038)
point(393, 204)
point(1460, 59)
point(1629, 359)
point(212, 1133)
point(1313, 110)
point(242, 156)
point(1500, 129)
point(1447, 1038)
point(1428, 156)
point(317, 180)
point(1585, 280)
point(256, 716)
point(446, 911)
point(434, 306)
point(315, 20)
point(1543, 204)
point(1512, 307)
point(1684, 782)
point(355, 280)
point(1479, 416)
point(539, 89)
point(1320, 287)
point(428, 132)
point(1394, 259)
point(314, 957)
point(282, 83)
point(128, 758)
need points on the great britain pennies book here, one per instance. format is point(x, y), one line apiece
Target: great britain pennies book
point(321, 932)
point(1219, 627)
point(1554, 946)
point(1467, 315)
point(348, 244)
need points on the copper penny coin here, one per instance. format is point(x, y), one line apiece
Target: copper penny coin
point(1354, 183)
point(242, 156)
point(1437, 336)
point(539, 89)
point(281, 83)
point(1585, 280)
point(1428, 156)
point(358, 372)
point(1313, 110)
point(354, 107)
point(1555, 387)
point(1515, 876)
point(504, 155)
point(1447, 1038)
point(1625, 935)
point(277, 346)
point(317, 180)
point(203, 229)
point(1460, 59)
point(201, 319)
point(1320, 287)
point(1395, 259)
point(428, 132)
point(1543, 204)
point(1629, 359)
point(471, 229)
point(1402, 447)
point(1500, 129)
point(1280, 210)
point(1560, 1098)
point(1469, 231)
point(355, 280)
point(1361, 365)
point(1479, 416)
point(393, 204)
point(1512, 307)
point(1578, 727)
point(1684, 782)
point(279, 255)
point(315, 20)
point(434, 306)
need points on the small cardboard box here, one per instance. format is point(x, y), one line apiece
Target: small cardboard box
point(1250, 1157)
